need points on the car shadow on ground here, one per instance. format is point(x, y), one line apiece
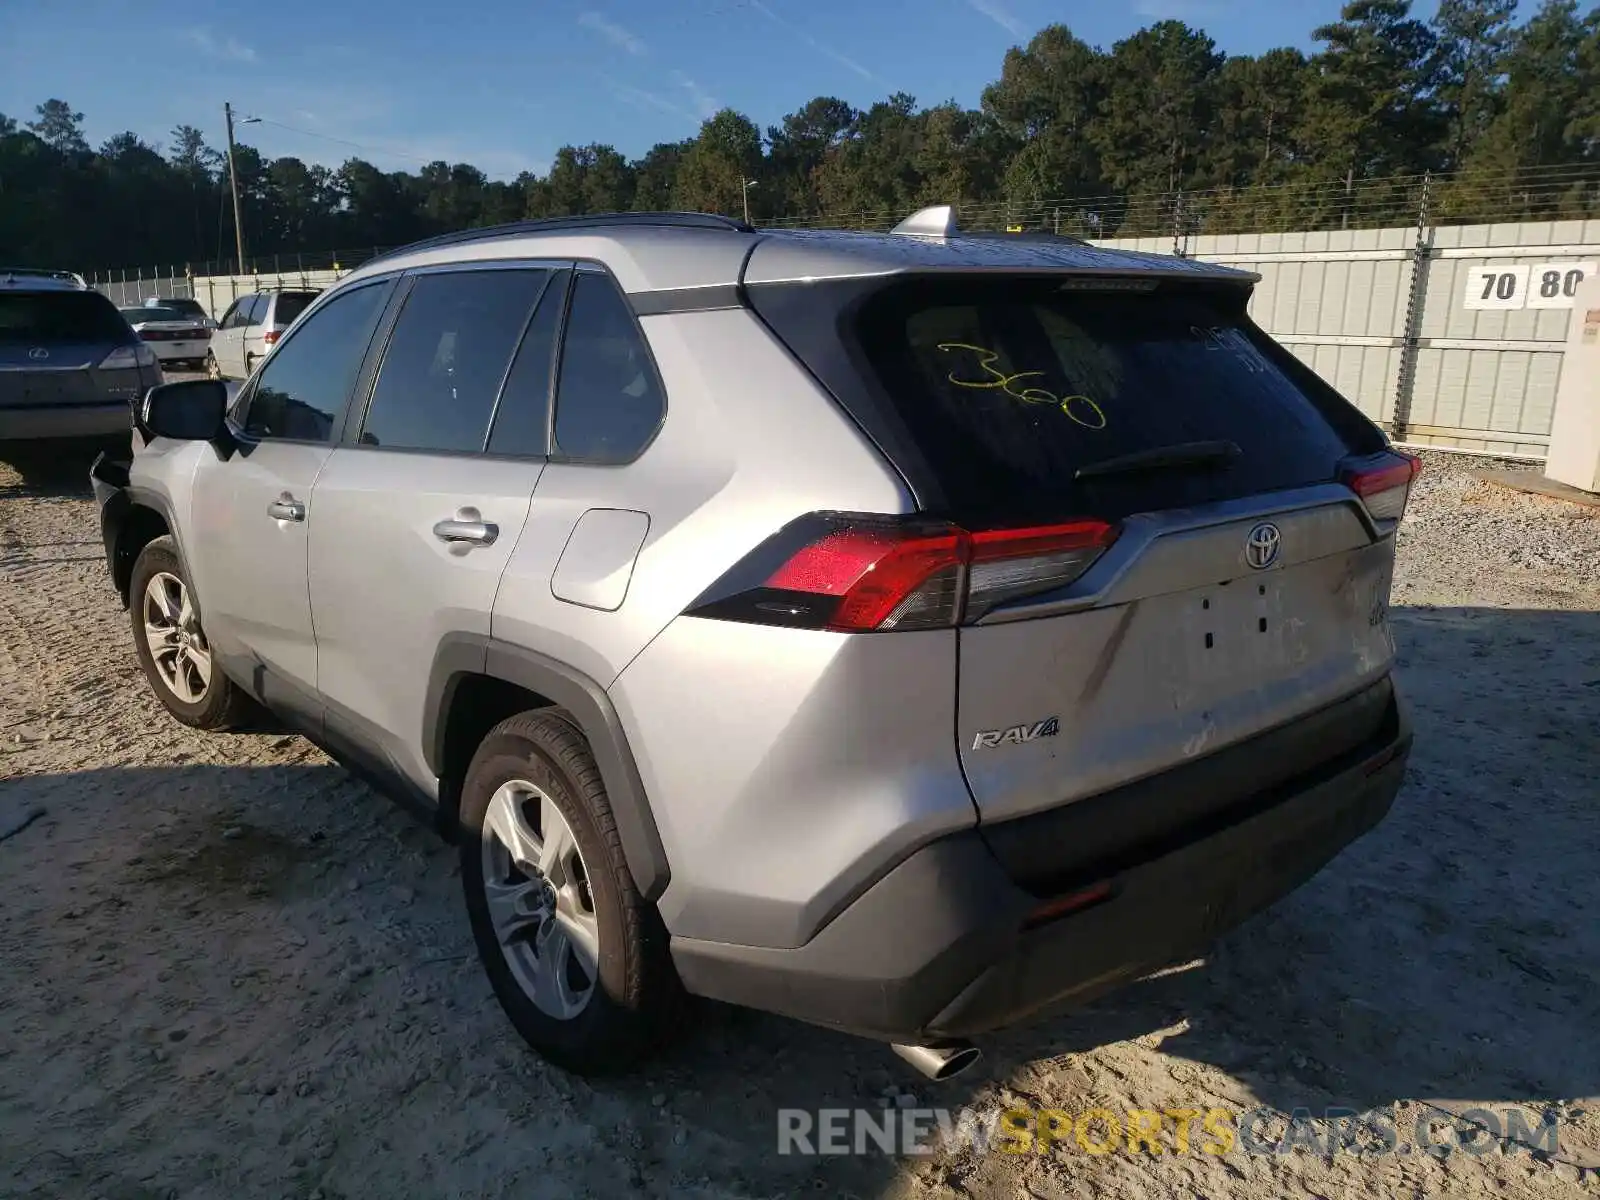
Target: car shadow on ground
point(1446, 955)
point(54, 470)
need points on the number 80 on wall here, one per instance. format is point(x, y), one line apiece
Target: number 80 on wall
point(1544, 285)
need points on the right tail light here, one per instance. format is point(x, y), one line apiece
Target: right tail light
point(1383, 482)
point(857, 574)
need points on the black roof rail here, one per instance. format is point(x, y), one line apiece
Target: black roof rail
point(671, 220)
point(43, 273)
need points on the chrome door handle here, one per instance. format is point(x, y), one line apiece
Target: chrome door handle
point(286, 508)
point(467, 527)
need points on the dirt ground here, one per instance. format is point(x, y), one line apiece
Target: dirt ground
point(229, 970)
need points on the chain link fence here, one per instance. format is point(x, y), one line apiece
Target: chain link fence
point(1485, 197)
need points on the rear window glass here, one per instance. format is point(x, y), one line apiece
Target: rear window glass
point(1008, 389)
point(146, 313)
point(186, 309)
point(291, 305)
point(40, 317)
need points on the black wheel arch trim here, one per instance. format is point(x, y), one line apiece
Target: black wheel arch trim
point(115, 515)
point(461, 655)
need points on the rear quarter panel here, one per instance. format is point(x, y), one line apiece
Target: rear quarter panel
point(748, 443)
point(782, 767)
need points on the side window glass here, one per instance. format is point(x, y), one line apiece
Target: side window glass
point(231, 317)
point(447, 357)
point(256, 309)
point(304, 386)
point(522, 418)
point(608, 400)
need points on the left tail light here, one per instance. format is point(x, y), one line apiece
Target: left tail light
point(270, 337)
point(856, 574)
point(1383, 481)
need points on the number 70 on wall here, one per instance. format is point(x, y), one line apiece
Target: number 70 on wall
point(1544, 285)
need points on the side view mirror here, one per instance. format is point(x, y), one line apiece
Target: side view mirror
point(190, 411)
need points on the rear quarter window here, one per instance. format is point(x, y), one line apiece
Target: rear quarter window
point(1008, 388)
point(291, 305)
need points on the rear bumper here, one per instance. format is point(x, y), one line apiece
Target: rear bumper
point(44, 421)
point(939, 947)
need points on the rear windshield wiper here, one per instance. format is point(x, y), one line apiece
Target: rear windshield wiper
point(1164, 458)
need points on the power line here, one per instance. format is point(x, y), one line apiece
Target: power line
point(373, 150)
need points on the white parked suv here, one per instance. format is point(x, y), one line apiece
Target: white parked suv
point(250, 327)
point(900, 632)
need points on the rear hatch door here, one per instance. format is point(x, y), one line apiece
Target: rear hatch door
point(1244, 584)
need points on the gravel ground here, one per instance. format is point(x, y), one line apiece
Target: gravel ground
point(229, 970)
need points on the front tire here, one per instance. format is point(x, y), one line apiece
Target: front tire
point(172, 646)
point(577, 958)
point(213, 367)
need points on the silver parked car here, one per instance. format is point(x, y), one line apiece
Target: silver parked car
point(898, 632)
point(70, 366)
point(250, 327)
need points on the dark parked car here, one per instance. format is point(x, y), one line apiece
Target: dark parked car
point(70, 365)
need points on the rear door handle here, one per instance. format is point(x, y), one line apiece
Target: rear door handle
point(467, 527)
point(286, 508)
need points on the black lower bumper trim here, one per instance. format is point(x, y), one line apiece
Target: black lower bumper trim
point(1171, 910)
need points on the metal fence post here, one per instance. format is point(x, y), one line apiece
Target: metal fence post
point(1416, 303)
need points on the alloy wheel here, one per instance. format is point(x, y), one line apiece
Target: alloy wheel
point(539, 899)
point(172, 632)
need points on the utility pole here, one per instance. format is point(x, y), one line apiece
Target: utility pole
point(233, 183)
point(745, 193)
point(233, 180)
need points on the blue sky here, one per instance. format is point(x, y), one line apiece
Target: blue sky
point(502, 84)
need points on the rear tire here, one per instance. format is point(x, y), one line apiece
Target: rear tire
point(577, 958)
point(172, 648)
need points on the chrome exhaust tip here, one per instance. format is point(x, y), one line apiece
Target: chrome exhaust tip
point(940, 1061)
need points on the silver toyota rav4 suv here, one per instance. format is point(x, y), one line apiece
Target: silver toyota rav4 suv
point(904, 632)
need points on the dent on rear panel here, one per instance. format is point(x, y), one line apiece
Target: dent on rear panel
point(596, 565)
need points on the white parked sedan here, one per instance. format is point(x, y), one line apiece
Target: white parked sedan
point(175, 337)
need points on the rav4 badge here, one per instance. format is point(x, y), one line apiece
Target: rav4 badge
point(1017, 734)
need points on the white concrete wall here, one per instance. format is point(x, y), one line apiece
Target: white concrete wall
point(216, 292)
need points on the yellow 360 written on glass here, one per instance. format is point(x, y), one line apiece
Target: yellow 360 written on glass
point(1079, 409)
